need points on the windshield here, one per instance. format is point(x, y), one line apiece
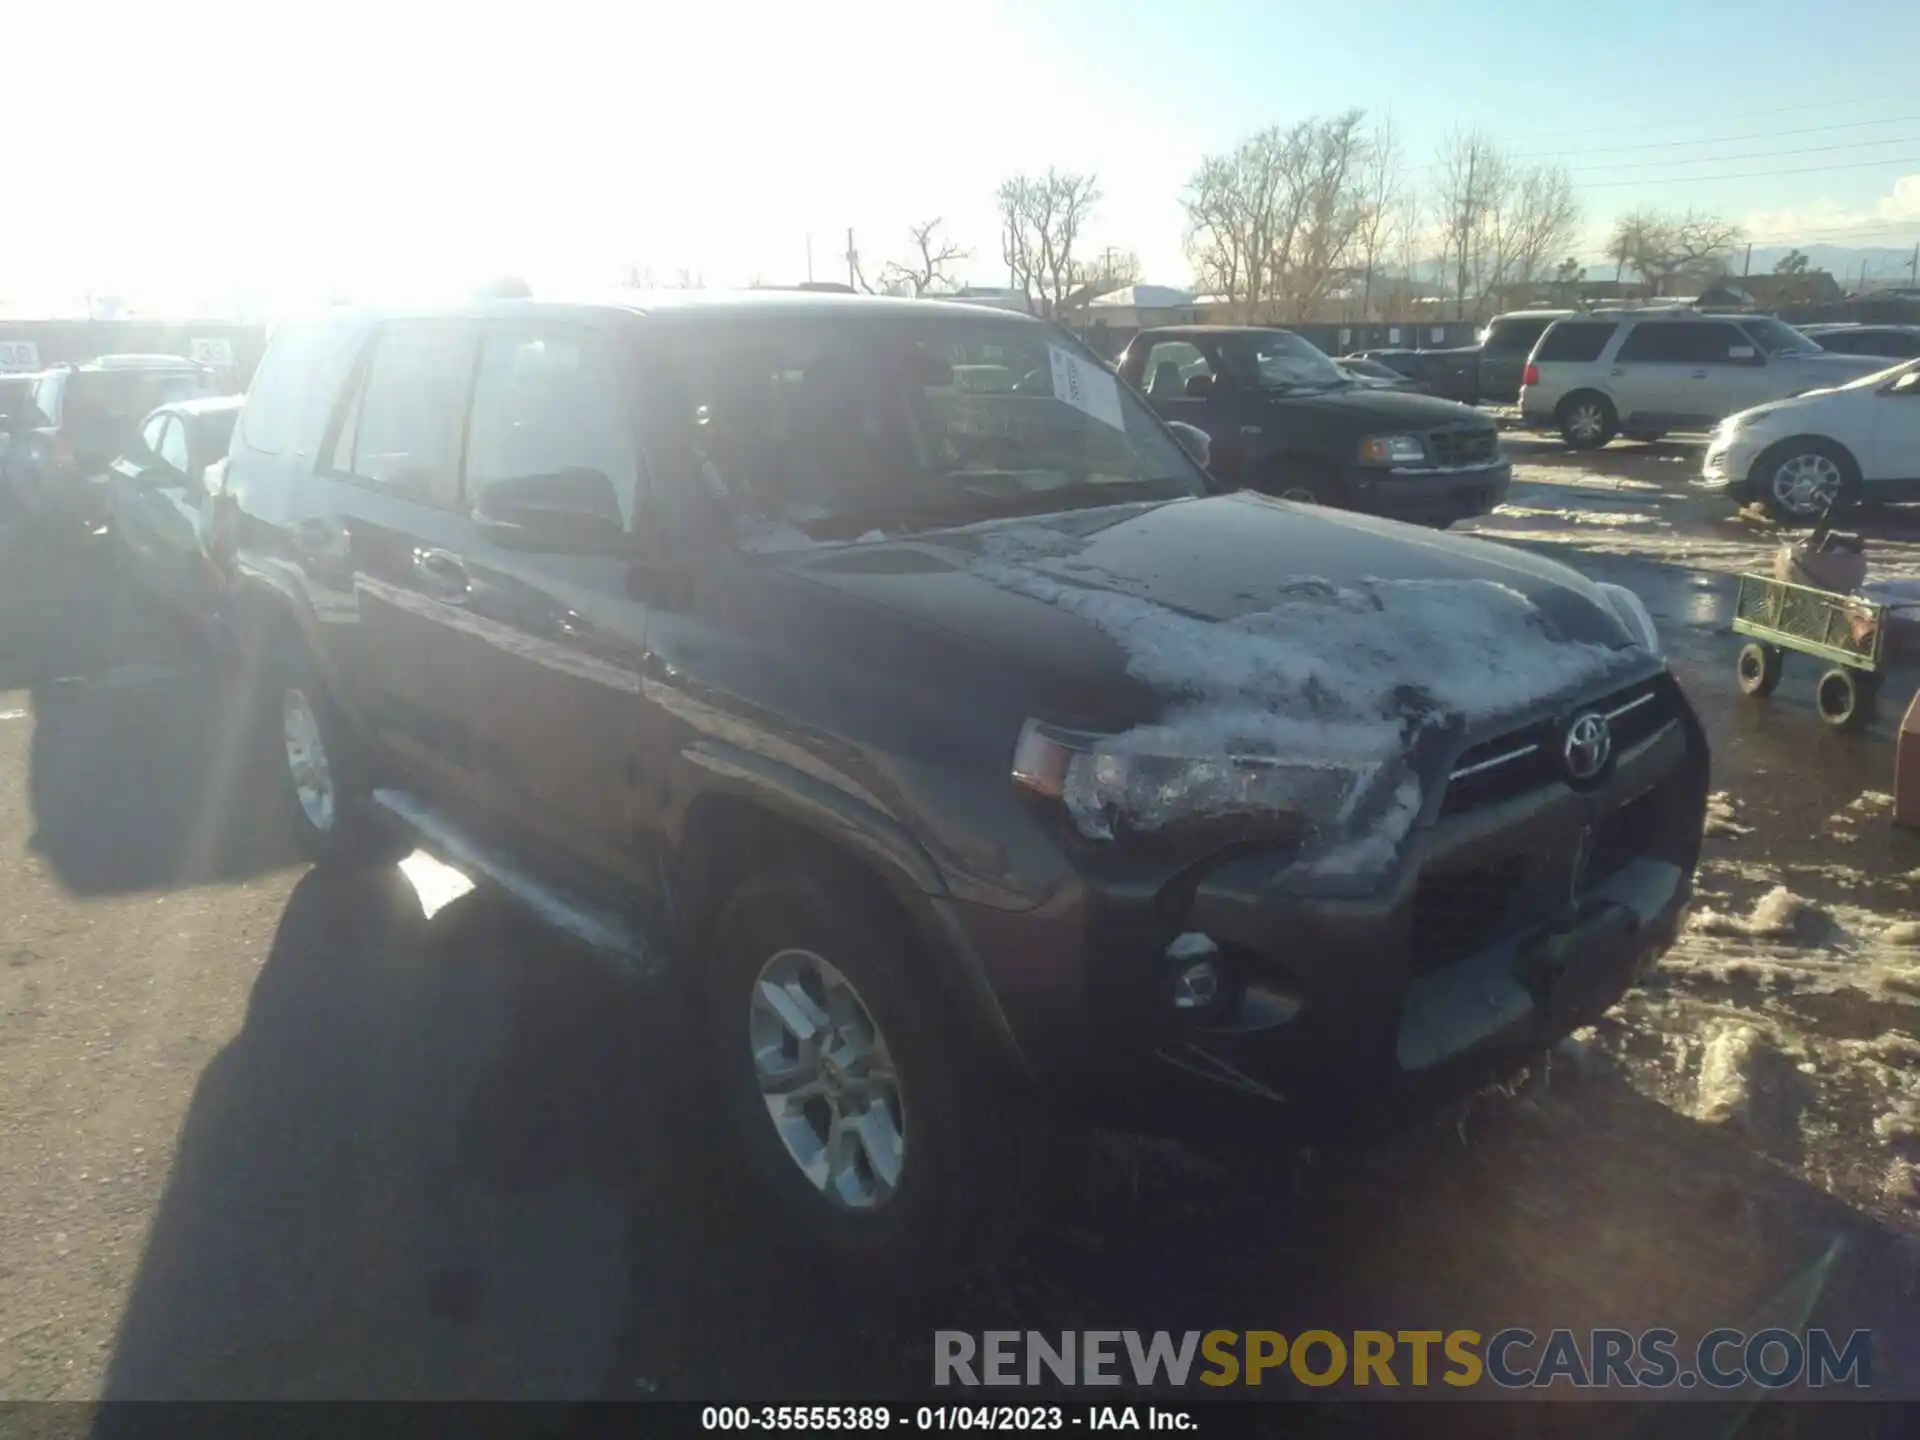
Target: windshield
point(1277, 360)
point(912, 421)
point(1776, 338)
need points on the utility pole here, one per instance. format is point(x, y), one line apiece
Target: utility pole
point(809, 257)
point(1466, 230)
point(853, 262)
point(1913, 267)
point(1747, 268)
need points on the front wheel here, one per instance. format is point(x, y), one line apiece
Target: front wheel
point(1305, 484)
point(839, 1081)
point(1804, 480)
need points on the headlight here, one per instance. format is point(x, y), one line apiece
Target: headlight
point(1392, 450)
point(1109, 790)
point(1632, 612)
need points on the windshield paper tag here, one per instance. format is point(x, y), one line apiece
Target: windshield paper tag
point(1086, 386)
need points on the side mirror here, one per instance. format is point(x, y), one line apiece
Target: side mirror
point(1195, 441)
point(573, 512)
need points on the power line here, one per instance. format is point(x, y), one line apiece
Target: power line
point(1738, 175)
point(1772, 110)
point(1727, 139)
point(1749, 155)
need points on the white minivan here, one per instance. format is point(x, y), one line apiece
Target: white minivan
point(1859, 441)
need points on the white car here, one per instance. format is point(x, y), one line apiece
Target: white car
point(1859, 441)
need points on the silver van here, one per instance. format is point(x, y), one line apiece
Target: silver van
point(1642, 373)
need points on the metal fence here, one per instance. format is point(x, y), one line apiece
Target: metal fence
point(1334, 339)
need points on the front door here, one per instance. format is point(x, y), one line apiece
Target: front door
point(1181, 383)
point(1666, 375)
point(558, 638)
point(1894, 450)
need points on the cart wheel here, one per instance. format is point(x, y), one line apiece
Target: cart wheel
point(1844, 697)
point(1759, 668)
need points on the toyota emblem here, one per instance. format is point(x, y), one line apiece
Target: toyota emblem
point(1588, 746)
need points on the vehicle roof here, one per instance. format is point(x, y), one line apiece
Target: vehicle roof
point(1178, 331)
point(205, 405)
point(810, 304)
point(1532, 315)
point(102, 363)
point(1830, 326)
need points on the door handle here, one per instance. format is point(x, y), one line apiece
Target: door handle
point(573, 624)
point(443, 574)
point(1700, 374)
point(1618, 370)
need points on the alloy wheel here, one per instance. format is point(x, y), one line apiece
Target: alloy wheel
point(828, 1080)
point(1805, 484)
point(1585, 422)
point(307, 763)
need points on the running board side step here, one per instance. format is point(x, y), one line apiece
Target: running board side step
point(604, 931)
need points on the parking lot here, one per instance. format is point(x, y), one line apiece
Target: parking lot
point(272, 1133)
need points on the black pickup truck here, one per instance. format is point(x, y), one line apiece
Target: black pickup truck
point(1284, 421)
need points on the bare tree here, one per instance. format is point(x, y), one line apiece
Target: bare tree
point(687, 279)
point(928, 270)
point(1499, 223)
point(1382, 195)
point(1040, 223)
point(1794, 262)
point(1664, 249)
point(1273, 223)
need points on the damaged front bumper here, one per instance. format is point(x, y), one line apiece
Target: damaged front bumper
point(1524, 910)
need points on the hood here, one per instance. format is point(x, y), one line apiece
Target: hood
point(1071, 598)
point(1843, 367)
point(1372, 408)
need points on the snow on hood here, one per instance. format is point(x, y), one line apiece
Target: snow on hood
point(1326, 692)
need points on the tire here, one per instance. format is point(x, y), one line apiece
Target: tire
point(1304, 483)
point(900, 1213)
point(1844, 697)
point(317, 767)
point(1803, 480)
point(1587, 420)
point(1759, 668)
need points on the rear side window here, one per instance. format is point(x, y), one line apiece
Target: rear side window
point(295, 387)
point(1573, 340)
point(403, 432)
point(1514, 337)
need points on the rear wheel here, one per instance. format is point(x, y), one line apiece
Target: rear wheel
point(1587, 420)
point(1305, 483)
point(319, 774)
point(1844, 697)
point(1759, 668)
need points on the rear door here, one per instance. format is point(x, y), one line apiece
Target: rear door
point(558, 638)
point(1661, 378)
point(1503, 359)
point(379, 529)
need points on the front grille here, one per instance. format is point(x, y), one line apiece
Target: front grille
point(1624, 836)
point(1457, 914)
point(1524, 759)
point(1459, 445)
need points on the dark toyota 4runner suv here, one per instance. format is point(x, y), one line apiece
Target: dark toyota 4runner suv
point(941, 740)
point(1284, 421)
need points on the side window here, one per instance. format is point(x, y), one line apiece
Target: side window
point(1661, 343)
point(1516, 337)
point(1573, 340)
point(546, 401)
point(1169, 366)
point(1716, 343)
point(151, 432)
point(405, 421)
point(173, 446)
point(295, 387)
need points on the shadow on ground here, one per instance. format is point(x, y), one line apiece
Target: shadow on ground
point(141, 755)
point(449, 1159)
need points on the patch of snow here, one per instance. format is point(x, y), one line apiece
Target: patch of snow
point(1322, 694)
point(769, 537)
point(1576, 517)
point(872, 535)
point(1778, 915)
point(1728, 1062)
point(1902, 932)
point(1871, 802)
point(1723, 817)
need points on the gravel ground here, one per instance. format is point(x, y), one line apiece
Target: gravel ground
point(268, 1133)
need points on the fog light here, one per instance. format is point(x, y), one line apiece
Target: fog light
point(1197, 978)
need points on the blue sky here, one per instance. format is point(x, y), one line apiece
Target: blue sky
point(370, 148)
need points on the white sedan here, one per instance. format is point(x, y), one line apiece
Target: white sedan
point(1859, 441)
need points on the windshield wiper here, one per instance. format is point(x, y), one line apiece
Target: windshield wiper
point(964, 508)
